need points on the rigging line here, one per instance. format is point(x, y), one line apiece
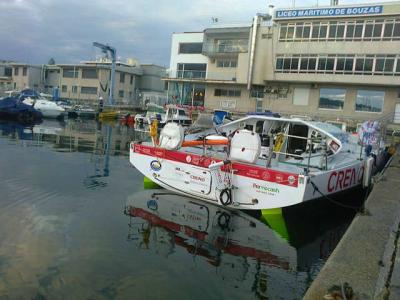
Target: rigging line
point(357, 209)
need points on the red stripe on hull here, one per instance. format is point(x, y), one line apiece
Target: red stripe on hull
point(284, 178)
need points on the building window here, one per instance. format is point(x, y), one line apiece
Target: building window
point(190, 48)
point(331, 98)
point(344, 65)
point(131, 82)
point(232, 45)
point(191, 70)
point(121, 93)
point(369, 101)
point(89, 73)
point(226, 63)
point(16, 71)
point(287, 64)
point(227, 93)
point(326, 64)
point(198, 97)
point(70, 73)
point(74, 89)
point(121, 77)
point(24, 71)
point(64, 88)
point(89, 90)
point(384, 65)
point(257, 91)
point(8, 72)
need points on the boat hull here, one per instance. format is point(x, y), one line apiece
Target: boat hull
point(251, 187)
point(52, 114)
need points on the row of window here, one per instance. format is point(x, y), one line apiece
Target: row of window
point(340, 64)
point(24, 71)
point(227, 93)
point(366, 100)
point(90, 73)
point(89, 90)
point(360, 30)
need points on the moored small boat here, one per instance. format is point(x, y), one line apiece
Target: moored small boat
point(14, 109)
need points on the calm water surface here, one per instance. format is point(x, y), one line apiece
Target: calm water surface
point(76, 223)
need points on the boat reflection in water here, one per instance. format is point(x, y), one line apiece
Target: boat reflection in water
point(243, 249)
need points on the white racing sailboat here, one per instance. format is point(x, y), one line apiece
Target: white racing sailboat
point(260, 162)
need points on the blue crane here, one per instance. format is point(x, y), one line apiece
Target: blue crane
point(113, 53)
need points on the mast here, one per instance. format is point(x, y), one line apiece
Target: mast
point(113, 52)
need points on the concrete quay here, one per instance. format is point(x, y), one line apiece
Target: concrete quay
point(366, 262)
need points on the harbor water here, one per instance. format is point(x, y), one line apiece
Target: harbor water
point(76, 223)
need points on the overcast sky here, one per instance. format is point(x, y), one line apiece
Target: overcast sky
point(33, 31)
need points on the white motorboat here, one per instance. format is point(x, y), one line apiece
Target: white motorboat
point(48, 108)
point(153, 112)
point(169, 113)
point(260, 162)
point(176, 114)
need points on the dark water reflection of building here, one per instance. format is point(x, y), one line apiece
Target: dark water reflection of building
point(75, 135)
point(245, 252)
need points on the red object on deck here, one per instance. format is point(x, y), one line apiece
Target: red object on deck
point(205, 142)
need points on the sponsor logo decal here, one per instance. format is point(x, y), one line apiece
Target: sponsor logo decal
point(265, 175)
point(197, 178)
point(188, 159)
point(291, 179)
point(155, 165)
point(279, 178)
point(265, 189)
point(344, 179)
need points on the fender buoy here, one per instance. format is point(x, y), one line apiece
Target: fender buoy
point(278, 142)
point(225, 197)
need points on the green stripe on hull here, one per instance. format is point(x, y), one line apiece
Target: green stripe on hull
point(274, 218)
point(148, 184)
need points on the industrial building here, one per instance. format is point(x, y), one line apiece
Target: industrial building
point(335, 62)
point(87, 81)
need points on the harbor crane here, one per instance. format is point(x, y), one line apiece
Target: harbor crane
point(113, 53)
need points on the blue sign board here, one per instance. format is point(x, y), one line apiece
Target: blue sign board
point(329, 12)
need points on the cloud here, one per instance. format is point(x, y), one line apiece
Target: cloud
point(34, 31)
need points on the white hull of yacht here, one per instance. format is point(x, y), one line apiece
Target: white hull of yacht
point(49, 109)
point(52, 114)
point(252, 187)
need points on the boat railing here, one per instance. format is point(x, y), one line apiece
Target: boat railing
point(309, 148)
